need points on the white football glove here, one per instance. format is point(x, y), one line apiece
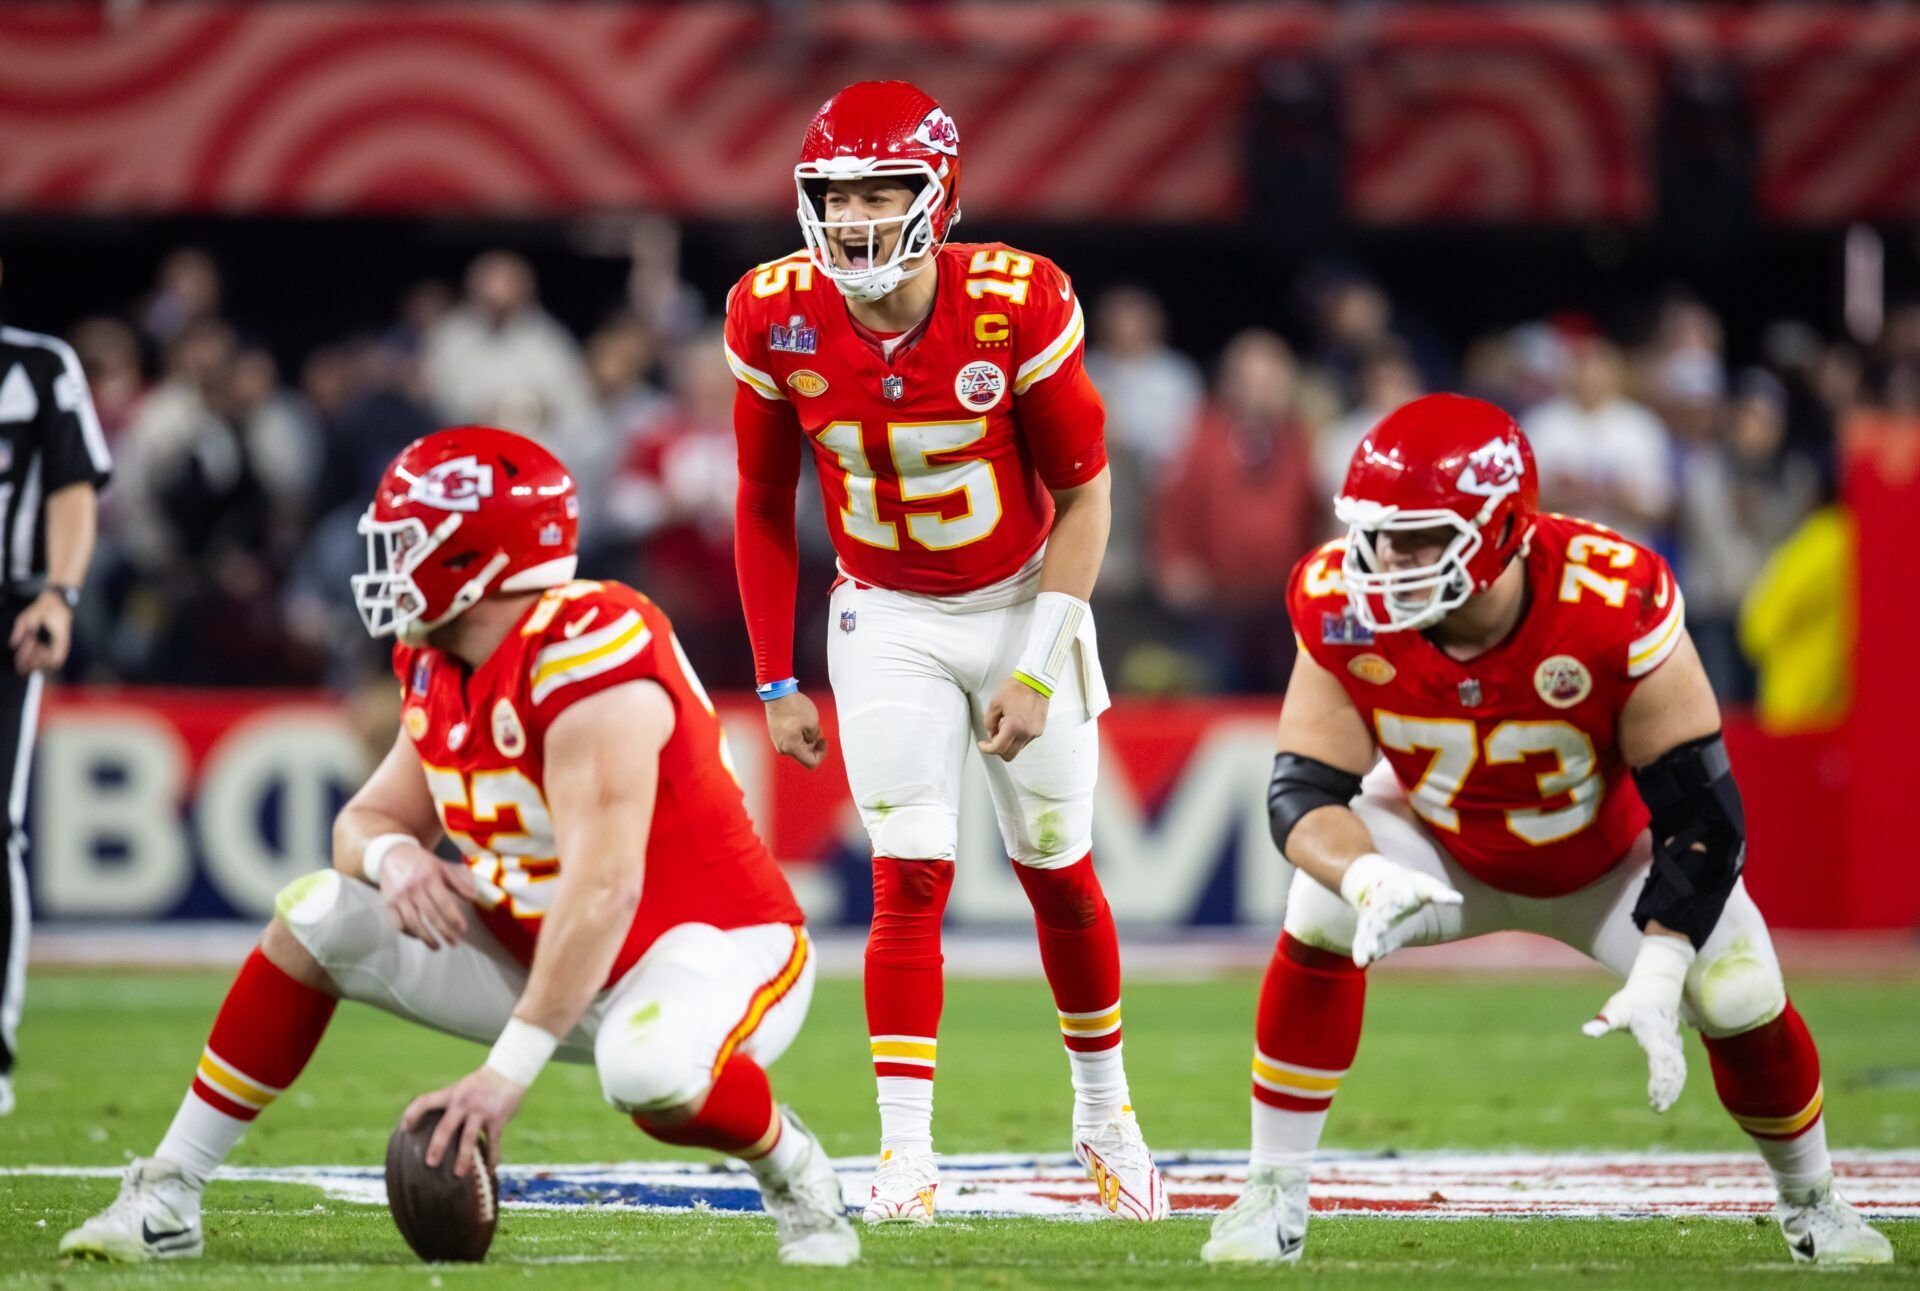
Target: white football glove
point(1647, 1005)
point(1387, 896)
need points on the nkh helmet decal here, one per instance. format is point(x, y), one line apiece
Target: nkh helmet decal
point(459, 515)
point(1441, 462)
point(879, 130)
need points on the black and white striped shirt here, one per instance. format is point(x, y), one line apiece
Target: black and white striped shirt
point(49, 438)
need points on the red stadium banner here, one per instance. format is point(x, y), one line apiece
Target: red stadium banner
point(1072, 111)
point(177, 804)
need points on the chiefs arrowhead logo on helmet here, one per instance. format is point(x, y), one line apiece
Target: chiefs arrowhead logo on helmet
point(938, 132)
point(1493, 469)
point(456, 485)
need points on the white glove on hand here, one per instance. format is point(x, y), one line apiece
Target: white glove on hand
point(1648, 1006)
point(1387, 896)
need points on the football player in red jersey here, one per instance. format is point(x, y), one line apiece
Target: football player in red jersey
point(1552, 763)
point(940, 391)
point(612, 905)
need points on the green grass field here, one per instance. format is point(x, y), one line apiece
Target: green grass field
point(1459, 1062)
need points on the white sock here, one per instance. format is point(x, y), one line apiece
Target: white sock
point(1800, 1162)
point(785, 1156)
point(906, 1113)
point(200, 1138)
point(1284, 1139)
point(1099, 1085)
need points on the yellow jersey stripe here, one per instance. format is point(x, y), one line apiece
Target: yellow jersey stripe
point(552, 674)
point(1646, 654)
point(1048, 360)
point(761, 382)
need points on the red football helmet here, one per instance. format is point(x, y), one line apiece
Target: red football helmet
point(1443, 461)
point(459, 514)
point(867, 131)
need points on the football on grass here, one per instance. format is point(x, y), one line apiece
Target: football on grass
point(442, 1216)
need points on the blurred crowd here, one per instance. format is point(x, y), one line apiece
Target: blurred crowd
point(228, 535)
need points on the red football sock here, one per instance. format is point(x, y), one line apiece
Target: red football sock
point(1306, 1034)
point(266, 1030)
point(738, 1118)
point(1080, 951)
point(1768, 1079)
point(905, 994)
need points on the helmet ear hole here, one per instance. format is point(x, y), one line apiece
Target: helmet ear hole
point(1506, 531)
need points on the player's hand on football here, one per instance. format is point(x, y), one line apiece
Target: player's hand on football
point(1387, 896)
point(429, 896)
point(479, 1104)
point(1016, 717)
point(1647, 1007)
point(794, 725)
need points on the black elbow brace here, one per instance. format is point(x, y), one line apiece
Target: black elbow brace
point(1299, 785)
point(1699, 837)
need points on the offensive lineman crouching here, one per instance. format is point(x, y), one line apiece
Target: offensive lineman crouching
point(614, 907)
point(1553, 763)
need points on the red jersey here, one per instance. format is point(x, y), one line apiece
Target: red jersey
point(482, 738)
point(1512, 758)
point(935, 460)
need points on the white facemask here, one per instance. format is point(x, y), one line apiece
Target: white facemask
point(916, 237)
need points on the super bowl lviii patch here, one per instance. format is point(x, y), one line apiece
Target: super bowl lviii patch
point(793, 336)
point(1344, 629)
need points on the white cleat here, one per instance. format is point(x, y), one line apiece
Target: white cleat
point(1822, 1229)
point(155, 1217)
point(1123, 1171)
point(1267, 1225)
point(809, 1214)
point(904, 1187)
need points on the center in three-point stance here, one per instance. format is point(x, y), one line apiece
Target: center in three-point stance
point(941, 390)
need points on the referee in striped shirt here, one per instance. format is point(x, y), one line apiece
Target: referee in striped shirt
point(53, 459)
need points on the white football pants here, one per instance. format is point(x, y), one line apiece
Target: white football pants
point(1733, 986)
point(657, 1036)
point(912, 677)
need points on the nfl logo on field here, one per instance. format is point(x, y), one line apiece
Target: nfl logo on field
point(847, 620)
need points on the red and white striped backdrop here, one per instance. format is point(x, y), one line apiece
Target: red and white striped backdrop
point(1072, 112)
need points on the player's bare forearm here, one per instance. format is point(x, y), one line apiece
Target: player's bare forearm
point(70, 534)
point(1325, 842)
point(1673, 705)
point(1077, 542)
point(603, 772)
point(394, 800)
point(579, 939)
point(1318, 721)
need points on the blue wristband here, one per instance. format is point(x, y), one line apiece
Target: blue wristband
point(777, 689)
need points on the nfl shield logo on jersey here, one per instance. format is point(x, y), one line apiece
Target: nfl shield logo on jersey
point(848, 619)
point(893, 387)
point(1470, 693)
point(795, 337)
point(980, 385)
